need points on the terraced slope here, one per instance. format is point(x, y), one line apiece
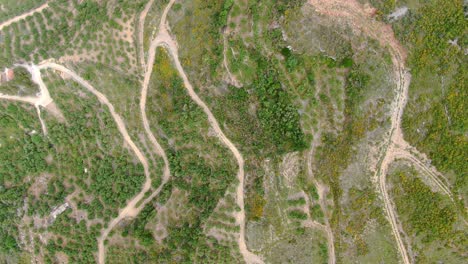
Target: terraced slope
point(232, 131)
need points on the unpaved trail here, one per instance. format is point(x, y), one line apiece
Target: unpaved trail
point(322, 196)
point(141, 32)
point(144, 93)
point(164, 39)
point(23, 16)
point(313, 224)
point(25, 99)
point(433, 175)
point(43, 125)
point(324, 227)
point(43, 99)
point(360, 19)
point(331, 241)
point(232, 79)
point(130, 209)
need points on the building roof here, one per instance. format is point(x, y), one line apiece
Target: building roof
point(10, 74)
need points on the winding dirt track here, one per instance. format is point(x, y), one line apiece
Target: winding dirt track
point(358, 16)
point(23, 16)
point(433, 175)
point(130, 209)
point(360, 19)
point(141, 31)
point(164, 39)
point(322, 196)
point(43, 99)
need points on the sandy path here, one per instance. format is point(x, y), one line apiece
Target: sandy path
point(25, 99)
point(43, 125)
point(240, 216)
point(144, 93)
point(43, 99)
point(232, 79)
point(23, 16)
point(141, 31)
point(322, 197)
point(360, 19)
point(433, 175)
point(130, 209)
point(164, 39)
point(326, 228)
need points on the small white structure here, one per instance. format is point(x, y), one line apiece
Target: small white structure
point(57, 211)
point(7, 75)
point(398, 13)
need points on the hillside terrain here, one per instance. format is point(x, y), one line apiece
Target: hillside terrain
point(233, 131)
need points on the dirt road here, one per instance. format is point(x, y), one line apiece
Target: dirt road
point(360, 19)
point(164, 39)
point(141, 31)
point(144, 93)
point(23, 16)
point(240, 216)
point(322, 196)
point(431, 172)
point(43, 99)
point(130, 209)
point(25, 99)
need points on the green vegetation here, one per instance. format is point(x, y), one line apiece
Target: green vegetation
point(430, 218)
point(295, 214)
point(12, 8)
point(200, 166)
point(288, 76)
point(76, 30)
point(28, 155)
point(297, 202)
point(429, 215)
point(223, 15)
point(112, 174)
point(435, 119)
point(278, 117)
point(76, 240)
point(306, 247)
point(78, 160)
point(316, 212)
point(198, 30)
point(429, 41)
point(21, 84)
point(138, 228)
point(25, 156)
